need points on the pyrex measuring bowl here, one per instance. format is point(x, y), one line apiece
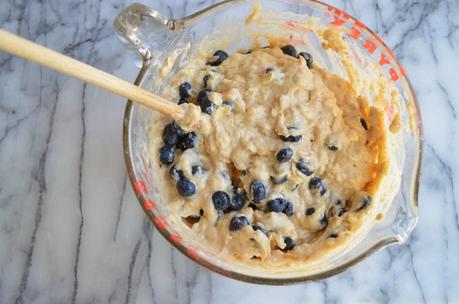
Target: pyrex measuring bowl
point(159, 41)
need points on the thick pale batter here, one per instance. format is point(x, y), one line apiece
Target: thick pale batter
point(276, 160)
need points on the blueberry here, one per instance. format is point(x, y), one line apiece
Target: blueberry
point(257, 191)
point(284, 155)
point(166, 155)
point(185, 187)
point(238, 222)
point(279, 181)
point(333, 148)
point(308, 58)
point(182, 101)
point(175, 174)
point(218, 58)
point(257, 227)
point(171, 133)
point(337, 208)
point(277, 204)
point(185, 90)
point(304, 167)
point(288, 210)
point(364, 203)
point(323, 220)
point(310, 211)
point(203, 95)
point(291, 138)
point(289, 244)
point(221, 200)
point(205, 79)
point(206, 105)
point(187, 141)
point(363, 123)
point(331, 144)
point(290, 50)
point(196, 169)
point(316, 184)
point(333, 235)
point(237, 200)
point(341, 212)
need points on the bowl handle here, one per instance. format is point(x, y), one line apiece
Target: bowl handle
point(143, 29)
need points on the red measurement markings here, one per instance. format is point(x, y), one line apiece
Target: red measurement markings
point(140, 187)
point(160, 222)
point(340, 18)
point(176, 239)
point(192, 252)
point(149, 204)
point(356, 29)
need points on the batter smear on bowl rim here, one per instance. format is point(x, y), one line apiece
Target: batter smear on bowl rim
point(276, 160)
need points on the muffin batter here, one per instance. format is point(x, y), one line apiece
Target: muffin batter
point(276, 160)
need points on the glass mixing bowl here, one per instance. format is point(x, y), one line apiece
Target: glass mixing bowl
point(166, 45)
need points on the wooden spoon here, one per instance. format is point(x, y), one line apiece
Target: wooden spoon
point(31, 51)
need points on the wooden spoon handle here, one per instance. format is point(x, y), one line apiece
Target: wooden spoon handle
point(31, 51)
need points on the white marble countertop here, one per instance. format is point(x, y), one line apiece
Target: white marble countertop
point(71, 230)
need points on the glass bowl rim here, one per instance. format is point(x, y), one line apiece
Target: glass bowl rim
point(175, 239)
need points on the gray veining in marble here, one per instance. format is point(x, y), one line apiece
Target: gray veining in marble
point(71, 230)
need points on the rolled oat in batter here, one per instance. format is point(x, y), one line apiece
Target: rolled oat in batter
point(276, 160)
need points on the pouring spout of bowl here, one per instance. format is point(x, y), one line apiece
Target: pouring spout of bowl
point(144, 29)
